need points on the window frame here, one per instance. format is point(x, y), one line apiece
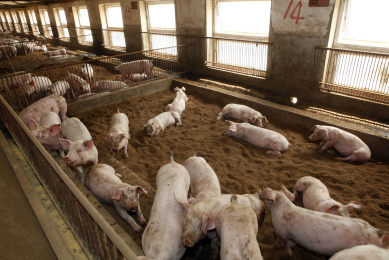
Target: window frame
point(34, 25)
point(61, 26)
point(23, 21)
point(78, 8)
point(47, 31)
point(16, 21)
point(107, 33)
point(159, 30)
point(106, 6)
point(86, 40)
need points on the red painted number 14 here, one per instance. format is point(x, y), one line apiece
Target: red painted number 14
point(294, 10)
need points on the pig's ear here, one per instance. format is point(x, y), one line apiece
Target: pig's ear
point(88, 81)
point(55, 129)
point(287, 193)
point(144, 127)
point(191, 201)
point(313, 128)
point(253, 119)
point(232, 128)
point(323, 132)
point(264, 118)
point(32, 83)
point(183, 89)
point(184, 204)
point(65, 143)
point(33, 125)
point(88, 144)
point(229, 122)
point(208, 222)
point(384, 241)
point(335, 209)
point(77, 82)
point(118, 195)
point(154, 126)
point(108, 138)
point(353, 205)
point(140, 190)
point(175, 89)
point(125, 136)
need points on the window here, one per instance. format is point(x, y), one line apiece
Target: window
point(24, 21)
point(34, 22)
point(113, 27)
point(62, 24)
point(16, 22)
point(46, 23)
point(83, 26)
point(9, 21)
point(3, 21)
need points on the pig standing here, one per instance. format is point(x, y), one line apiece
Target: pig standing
point(241, 112)
point(178, 104)
point(87, 72)
point(79, 85)
point(135, 67)
point(40, 48)
point(80, 145)
point(9, 49)
point(48, 132)
point(61, 88)
point(319, 232)
point(17, 79)
point(104, 184)
point(260, 137)
point(345, 143)
point(202, 214)
point(118, 134)
point(36, 110)
point(365, 252)
point(36, 84)
point(203, 180)
point(107, 85)
point(162, 121)
point(237, 228)
point(54, 53)
point(316, 197)
point(162, 237)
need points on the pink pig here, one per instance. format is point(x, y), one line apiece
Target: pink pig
point(54, 53)
point(118, 134)
point(87, 73)
point(79, 85)
point(316, 197)
point(242, 112)
point(258, 136)
point(36, 84)
point(135, 67)
point(104, 184)
point(162, 121)
point(345, 143)
point(364, 252)
point(178, 104)
point(319, 232)
point(107, 85)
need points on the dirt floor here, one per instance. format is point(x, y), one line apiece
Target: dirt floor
point(240, 166)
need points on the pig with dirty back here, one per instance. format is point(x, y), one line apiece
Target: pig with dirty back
point(364, 252)
point(162, 237)
point(118, 134)
point(203, 180)
point(319, 232)
point(136, 67)
point(178, 104)
point(242, 112)
point(48, 132)
point(162, 121)
point(263, 138)
point(317, 197)
point(347, 144)
point(79, 85)
point(79, 145)
point(36, 110)
point(105, 185)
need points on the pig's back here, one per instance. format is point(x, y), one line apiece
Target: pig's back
point(73, 129)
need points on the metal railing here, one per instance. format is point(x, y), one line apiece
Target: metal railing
point(356, 73)
point(85, 36)
point(150, 65)
point(114, 39)
point(246, 57)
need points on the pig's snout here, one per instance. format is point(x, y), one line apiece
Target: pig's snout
point(188, 243)
point(310, 138)
point(134, 209)
point(68, 161)
point(224, 133)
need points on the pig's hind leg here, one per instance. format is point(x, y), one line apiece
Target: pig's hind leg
point(123, 214)
point(288, 250)
point(273, 152)
point(81, 173)
point(125, 154)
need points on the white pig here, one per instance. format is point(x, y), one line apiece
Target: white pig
point(242, 112)
point(118, 134)
point(36, 84)
point(138, 77)
point(163, 234)
point(37, 109)
point(48, 132)
point(365, 252)
point(319, 232)
point(135, 67)
point(78, 84)
point(237, 228)
point(60, 88)
point(162, 121)
point(54, 53)
point(258, 136)
point(345, 143)
point(40, 48)
point(9, 49)
point(198, 222)
point(316, 197)
point(107, 85)
point(80, 145)
point(178, 104)
point(203, 180)
point(17, 79)
point(87, 72)
point(105, 185)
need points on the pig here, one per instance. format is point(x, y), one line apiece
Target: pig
point(78, 84)
point(364, 252)
point(237, 228)
point(36, 84)
point(260, 137)
point(40, 48)
point(107, 85)
point(242, 112)
point(203, 212)
point(37, 109)
point(162, 121)
point(138, 77)
point(87, 72)
point(316, 197)
point(134, 67)
point(48, 132)
point(105, 185)
point(5, 88)
point(319, 232)
point(80, 145)
point(118, 134)
point(17, 79)
point(178, 104)
point(345, 143)
point(203, 180)
point(60, 88)
point(9, 49)
point(161, 239)
point(54, 53)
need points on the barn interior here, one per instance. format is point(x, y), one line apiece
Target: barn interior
point(301, 64)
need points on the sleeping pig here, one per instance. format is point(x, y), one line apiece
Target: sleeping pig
point(162, 121)
point(242, 112)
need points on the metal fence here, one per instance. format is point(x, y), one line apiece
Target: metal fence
point(114, 40)
point(91, 77)
point(84, 36)
point(246, 57)
point(355, 73)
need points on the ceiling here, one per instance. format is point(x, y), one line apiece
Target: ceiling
point(22, 4)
